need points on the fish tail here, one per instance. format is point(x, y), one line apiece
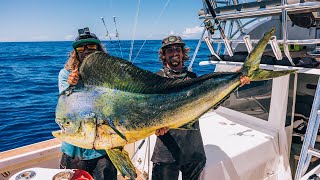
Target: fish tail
point(251, 66)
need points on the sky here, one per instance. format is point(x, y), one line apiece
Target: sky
point(59, 20)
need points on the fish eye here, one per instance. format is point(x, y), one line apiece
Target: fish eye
point(67, 122)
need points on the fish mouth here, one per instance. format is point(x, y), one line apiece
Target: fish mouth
point(83, 135)
point(57, 133)
point(57, 120)
point(76, 140)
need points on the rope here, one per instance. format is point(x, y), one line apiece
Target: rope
point(154, 23)
point(147, 153)
point(149, 156)
point(134, 30)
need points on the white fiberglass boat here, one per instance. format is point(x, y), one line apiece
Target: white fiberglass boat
point(252, 135)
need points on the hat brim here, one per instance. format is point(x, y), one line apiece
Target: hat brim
point(82, 41)
point(178, 43)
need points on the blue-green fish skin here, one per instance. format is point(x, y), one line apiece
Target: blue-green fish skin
point(139, 115)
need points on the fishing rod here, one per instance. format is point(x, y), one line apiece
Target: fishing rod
point(223, 36)
point(117, 34)
point(107, 35)
point(102, 18)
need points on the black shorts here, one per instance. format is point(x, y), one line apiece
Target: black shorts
point(170, 171)
point(100, 168)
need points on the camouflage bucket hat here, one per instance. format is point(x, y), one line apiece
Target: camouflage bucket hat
point(172, 40)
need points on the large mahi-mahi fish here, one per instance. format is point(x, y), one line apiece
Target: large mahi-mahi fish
point(121, 103)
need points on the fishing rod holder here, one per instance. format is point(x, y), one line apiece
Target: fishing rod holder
point(210, 8)
point(207, 40)
point(248, 43)
point(275, 47)
point(228, 46)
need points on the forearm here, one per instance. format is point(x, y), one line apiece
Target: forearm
point(62, 80)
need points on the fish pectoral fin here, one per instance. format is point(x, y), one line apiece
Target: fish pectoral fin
point(119, 133)
point(122, 162)
point(115, 130)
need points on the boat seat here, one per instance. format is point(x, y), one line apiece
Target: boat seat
point(236, 149)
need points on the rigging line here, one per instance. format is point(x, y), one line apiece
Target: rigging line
point(139, 50)
point(154, 23)
point(197, 48)
point(149, 155)
point(102, 19)
point(117, 34)
point(134, 30)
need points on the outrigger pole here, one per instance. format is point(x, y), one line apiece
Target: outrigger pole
point(102, 19)
point(117, 34)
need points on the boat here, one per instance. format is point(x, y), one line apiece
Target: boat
point(252, 135)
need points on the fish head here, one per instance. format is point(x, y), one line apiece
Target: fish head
point(76, 127)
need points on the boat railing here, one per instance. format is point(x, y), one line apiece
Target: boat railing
point(247, 12)
point(301, 42)
point(253, 10)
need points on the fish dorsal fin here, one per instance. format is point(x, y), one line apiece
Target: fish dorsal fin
point(101, 69)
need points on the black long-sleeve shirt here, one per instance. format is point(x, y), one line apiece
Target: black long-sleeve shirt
point(180, 146)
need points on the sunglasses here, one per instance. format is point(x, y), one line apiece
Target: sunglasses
point(91, 47)
point(173, 49)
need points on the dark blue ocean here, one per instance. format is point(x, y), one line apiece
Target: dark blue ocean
point(29, 85)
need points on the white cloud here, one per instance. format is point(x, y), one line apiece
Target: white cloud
point(69, 37)
point(7, 39)
point(171, 33)
point(40, 38)
point(149, 36)
point(192, 32)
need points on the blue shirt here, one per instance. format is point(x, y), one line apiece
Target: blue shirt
point(71, 150)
